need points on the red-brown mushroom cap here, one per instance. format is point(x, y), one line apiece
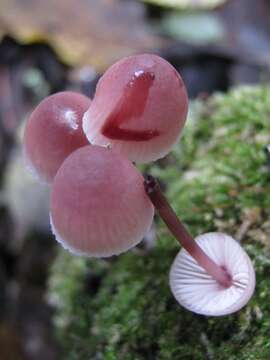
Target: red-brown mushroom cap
point(53, 131)
point(197, 291)
point(139, 108)
point(98, 203)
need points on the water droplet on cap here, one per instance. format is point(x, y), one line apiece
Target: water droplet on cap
point(138, 73)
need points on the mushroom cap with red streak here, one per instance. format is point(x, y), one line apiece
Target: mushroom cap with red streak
point(139, 108)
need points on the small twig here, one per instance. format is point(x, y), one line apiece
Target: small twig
point(250, 217)
point(243, 229)
point(206, 343)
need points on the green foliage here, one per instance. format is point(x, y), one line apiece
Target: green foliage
point(216, 179)
point(198, 28)
point(187, 4)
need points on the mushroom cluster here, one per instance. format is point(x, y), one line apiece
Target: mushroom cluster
point(100, 203)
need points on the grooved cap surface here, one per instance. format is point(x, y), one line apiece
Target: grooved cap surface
point(197, 291)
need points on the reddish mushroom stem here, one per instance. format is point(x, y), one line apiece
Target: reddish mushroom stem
point(168, 215)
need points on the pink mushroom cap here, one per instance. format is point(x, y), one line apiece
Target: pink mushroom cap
point(197, 291)
point(98, 204)
point(139, 108)
point(53, 131)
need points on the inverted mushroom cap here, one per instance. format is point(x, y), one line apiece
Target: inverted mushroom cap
point(98, 203)
point(197, 291)
point(53, 131)
point(139, 108)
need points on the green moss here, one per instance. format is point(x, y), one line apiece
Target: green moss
point(216, 179)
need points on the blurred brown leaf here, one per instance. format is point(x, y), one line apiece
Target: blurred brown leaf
point(91, 32)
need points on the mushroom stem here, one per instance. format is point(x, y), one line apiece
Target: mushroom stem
point(168, 215)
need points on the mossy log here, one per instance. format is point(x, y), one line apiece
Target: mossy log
point(217, 179)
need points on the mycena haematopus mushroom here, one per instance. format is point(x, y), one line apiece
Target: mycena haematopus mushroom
point(212, 274)
point(98, 203)
point(139, 108)
point(199, 292)
point(53, 131)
